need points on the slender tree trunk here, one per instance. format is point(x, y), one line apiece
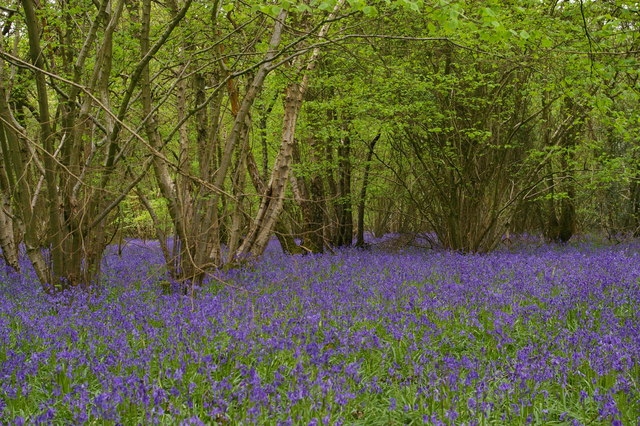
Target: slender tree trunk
point(331, 217)
point(273, 197)
point(205, 213)
point(165, 182)
point(272, 200)
point(262, 131)
point(308, 195)
point(567, 220)
point(238, 132)
point(345, 212)
point(238, 184)
point(283, 233)
point(238, 178)
point(8, 239)
point(18, 185)
point(254, 89)
point(56, 230)
point(363, 192)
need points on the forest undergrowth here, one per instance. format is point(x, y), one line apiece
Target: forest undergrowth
point(539, 334)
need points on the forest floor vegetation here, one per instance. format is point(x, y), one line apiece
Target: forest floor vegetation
point(538, 334)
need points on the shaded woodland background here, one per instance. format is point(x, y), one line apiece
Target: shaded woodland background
point(212, 126)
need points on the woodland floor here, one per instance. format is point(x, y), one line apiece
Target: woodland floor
point(536, 334)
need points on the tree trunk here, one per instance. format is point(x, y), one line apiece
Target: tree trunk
point(238, 184)
point(315, 221)
point(17, 182)
point(56, 277)
point(254, 89)
point(165, 182)
point(567, 220)
point(273, 197)
point(8, 241)
point(344, 235)
point(331, 218)
point(308, 194)
point(634, 205)
point(283, 234)
point(363, 192)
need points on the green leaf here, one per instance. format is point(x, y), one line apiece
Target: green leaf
point(487, 11)
point(356, 4)
point(524, 34)
point(326, 6)
point(546, 42)
point(411, 5)
point(228, 7)
point(451, 25)
point(370, 11)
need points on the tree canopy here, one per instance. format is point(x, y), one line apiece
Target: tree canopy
point(213, 126)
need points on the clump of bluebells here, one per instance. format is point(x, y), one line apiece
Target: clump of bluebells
point(536, 335)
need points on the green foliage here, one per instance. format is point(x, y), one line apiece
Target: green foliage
point(473, 99)
point(135, 220)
